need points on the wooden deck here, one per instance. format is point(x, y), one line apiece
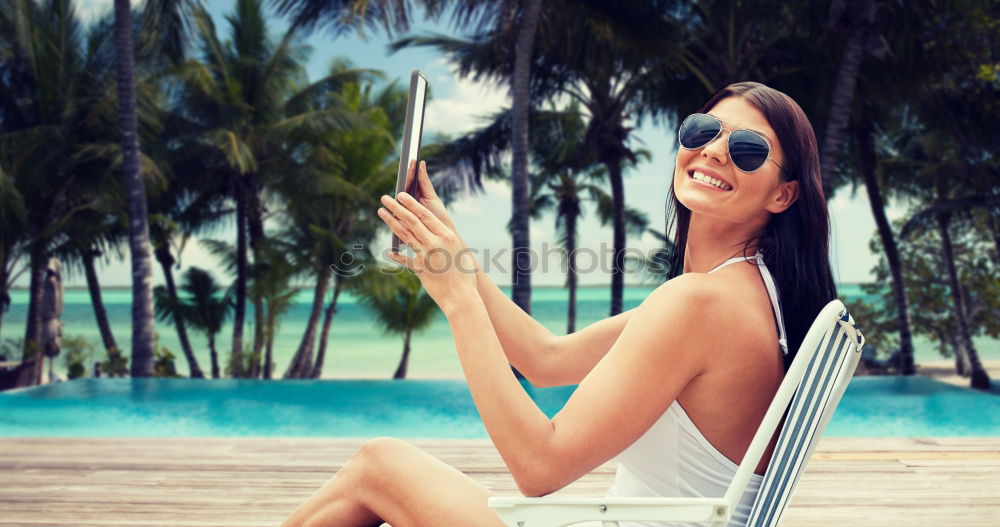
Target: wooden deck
point(249, 482)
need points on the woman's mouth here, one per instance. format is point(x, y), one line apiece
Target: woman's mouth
point(709, 181)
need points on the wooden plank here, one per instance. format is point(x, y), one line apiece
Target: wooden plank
point(211, 482)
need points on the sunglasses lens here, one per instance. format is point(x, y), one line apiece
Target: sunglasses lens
point(747, 150)
point(697, 130)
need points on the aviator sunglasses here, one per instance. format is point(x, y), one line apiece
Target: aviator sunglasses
point(747, 149)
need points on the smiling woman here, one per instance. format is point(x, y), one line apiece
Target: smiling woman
point(695, 395)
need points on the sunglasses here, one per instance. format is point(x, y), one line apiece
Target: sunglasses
point(747, 149)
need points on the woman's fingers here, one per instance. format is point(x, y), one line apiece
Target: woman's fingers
point(403, 214)
point(427, 218)
point(398, 227)
point(405, 260)
point(426, 189)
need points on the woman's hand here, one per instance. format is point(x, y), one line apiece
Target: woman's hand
point(427, 196)
point(445, 266)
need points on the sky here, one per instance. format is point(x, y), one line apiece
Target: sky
point(459, 105)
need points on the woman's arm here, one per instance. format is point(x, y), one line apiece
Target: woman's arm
point(544, 358)
point(657, 354)
point(645, 370)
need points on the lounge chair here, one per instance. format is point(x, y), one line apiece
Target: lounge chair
point(813, 385)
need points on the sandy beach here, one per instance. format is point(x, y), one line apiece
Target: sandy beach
point(944, 371)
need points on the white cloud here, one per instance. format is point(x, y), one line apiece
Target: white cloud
point(497, 188)
point(466, 106)
point(465, 208)
point(91, 10)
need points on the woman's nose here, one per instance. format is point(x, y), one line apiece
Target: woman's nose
point(716, 149)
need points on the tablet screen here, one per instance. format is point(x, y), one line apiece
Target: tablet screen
point(412, 130)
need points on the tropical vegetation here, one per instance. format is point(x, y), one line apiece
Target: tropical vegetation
point(134, 134)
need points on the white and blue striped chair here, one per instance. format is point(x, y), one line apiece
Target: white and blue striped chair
point(813, 384)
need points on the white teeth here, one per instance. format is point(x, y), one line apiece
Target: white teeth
point(709, 179)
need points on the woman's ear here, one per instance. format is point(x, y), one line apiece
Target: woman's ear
point(786, 194)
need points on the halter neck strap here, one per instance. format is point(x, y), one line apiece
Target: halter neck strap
point(772, 292)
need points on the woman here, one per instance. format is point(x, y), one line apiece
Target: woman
point(696, 364)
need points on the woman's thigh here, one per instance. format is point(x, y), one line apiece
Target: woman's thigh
point(408, 487)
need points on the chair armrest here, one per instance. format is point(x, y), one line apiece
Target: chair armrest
point(556, 512)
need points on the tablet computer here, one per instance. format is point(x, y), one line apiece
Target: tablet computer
point(413, 127)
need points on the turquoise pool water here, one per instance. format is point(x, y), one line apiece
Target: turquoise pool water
point(357, 345)
point(871, 407)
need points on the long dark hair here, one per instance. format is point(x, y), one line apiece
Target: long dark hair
point(795, 243)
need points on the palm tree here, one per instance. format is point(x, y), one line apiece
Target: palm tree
point(331, 202)
point(518, 19)
point(12, 226)
point(868, 167)
point(203, 308)
point(100, 224)
point(52, 76)
point(191, 200)
point(367, 157)
point(565, 191)
point(930, 291)
point(248, 96)
point(138, 224)
point(520, 106)
point(932, 159)
point(857, 21)
point(598, 56)
point(565, 174)
point(893, 105)
point(96, 232)
point(272, 285)
point(162, 233)
point(161, 47)
point(397, 300)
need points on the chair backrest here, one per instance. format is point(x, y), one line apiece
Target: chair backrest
point(809, 393)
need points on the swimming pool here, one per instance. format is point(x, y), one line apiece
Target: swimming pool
point(871, 407)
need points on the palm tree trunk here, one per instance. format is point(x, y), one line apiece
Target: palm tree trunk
point(571, 272)
point(138, 224)
point(401, 369)
point(269, 347)
point(215, 356)
point(32, 350)
point(961, 361)
point(4, 292)
point(166, 263)
point(614, 166)
point(258, 336)
point(331, 309)
point(100, 314)
point(520, 106)
point(866, 151)
point(303, 356)
point(840, 107)
point(256, 229)
point(980, 380)
point(239, 310)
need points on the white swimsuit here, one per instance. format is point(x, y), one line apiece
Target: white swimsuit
point(673, 458)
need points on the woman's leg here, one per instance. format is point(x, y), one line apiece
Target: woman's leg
point(392, 481)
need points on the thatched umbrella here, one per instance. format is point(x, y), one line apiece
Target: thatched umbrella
point(52, 306)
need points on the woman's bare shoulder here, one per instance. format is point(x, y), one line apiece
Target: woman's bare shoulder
point(707, 289)
point(727, 298)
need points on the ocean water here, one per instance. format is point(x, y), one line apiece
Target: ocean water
point(871, 407)
point(358, 346)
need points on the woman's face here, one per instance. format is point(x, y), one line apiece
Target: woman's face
point(745, 196)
